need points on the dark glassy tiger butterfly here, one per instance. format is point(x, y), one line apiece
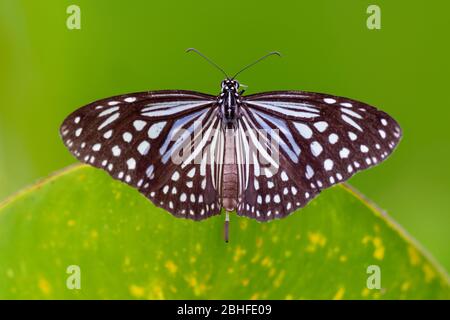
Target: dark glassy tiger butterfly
point(262, 155)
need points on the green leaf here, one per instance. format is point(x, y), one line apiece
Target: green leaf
point(127, 248)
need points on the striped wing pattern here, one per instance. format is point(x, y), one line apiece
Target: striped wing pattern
point(322, 139)
point(136, 137)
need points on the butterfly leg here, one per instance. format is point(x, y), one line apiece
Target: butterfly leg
point(226, 226)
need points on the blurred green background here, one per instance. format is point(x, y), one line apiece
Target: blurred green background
point(47, 71)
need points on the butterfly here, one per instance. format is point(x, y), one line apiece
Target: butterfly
point(262, 155)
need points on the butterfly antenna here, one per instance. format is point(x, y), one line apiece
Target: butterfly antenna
point(207, 59)
point(255, 62)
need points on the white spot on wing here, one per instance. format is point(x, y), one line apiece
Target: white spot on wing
point(309, 172)
point(364, 148)
point(96, 147)
point(352, 136)
point(303, 129)
point(130, 99)
point(328, 164)
point(321, 126)
point(175, 176)
point(143, 147)
point(127, 137)
point(108, 121)
point(333, 138)
point(191, 173)
point(108, 111)
point(139, 124)
point(131, 163)
point(351, 113)
point(344, 153)
point(116, 151)
point(316, 148)
point(149, 171)
point(107, 134)
point(351, 122)
point(156, 129)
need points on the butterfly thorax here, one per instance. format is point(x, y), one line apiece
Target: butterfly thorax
point(229, 101)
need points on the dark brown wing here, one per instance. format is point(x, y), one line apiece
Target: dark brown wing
point(141, 139)
point(322, 140)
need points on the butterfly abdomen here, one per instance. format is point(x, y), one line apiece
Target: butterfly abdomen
point(230, 176)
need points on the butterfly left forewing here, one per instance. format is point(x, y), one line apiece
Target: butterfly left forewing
point(134, 138)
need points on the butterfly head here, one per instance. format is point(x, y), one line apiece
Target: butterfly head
point(230, 85)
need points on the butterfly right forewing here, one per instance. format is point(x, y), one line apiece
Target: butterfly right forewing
point(322, 139)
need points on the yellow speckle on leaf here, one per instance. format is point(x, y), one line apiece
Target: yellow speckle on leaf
point(287, 253)
point(126, 261)
point(365, 292)
point(366, 239)
point(255, 258)
point(136, 291)
point(378, 244)
point(275, 239)
point(198, 247)
point(94, 234)
point(414, 257)
point(339, 294)
point(379, 248)
point(405, 286)
point(243, 223)
point(230, 270)
point(173, 289)
point(197, 287)
point(289, 297)
point(10, 273)
point(245, 282)
point(316, 239)
point(44, 286)
point(266, 262)
point(272, 272)
point(157, 293)
point(429, 272)
point(238, 253)
point(71, 223)
point(259, 242)
point(192, 281)
point(117, 194)
point(192, 259)
point(279, 279)
point(171, 266)
point(343, 258)
point(254, 296)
